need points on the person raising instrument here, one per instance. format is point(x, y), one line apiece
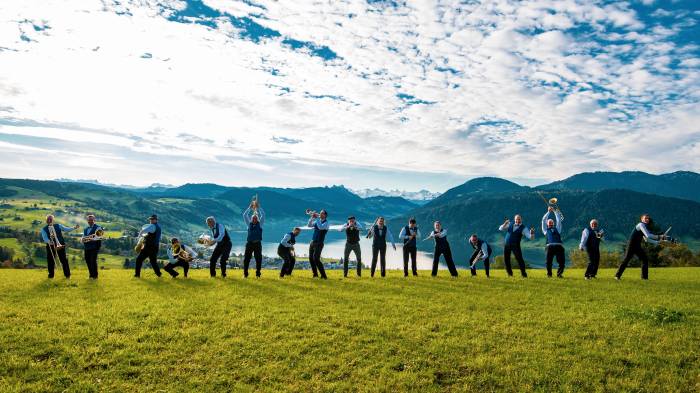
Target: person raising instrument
point(179, 255)
point(555, 247)
point(52, 235)
point(634, 246)
point(222, 250)
point(379, 232)
point(91, 245)
point(254, 217)
point(320, 224)
point(514, 234)
point(352, 244)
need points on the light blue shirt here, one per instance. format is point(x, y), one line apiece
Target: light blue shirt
point(248, 216)
point(63, 228)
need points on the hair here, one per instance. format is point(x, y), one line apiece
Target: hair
point(210, 218)
point(644, 215)
point(90, 215)
point(517, 215)
point(296, 229)
point(596, 221)
point(174, 239)
point(49, 215)
point(323, 211)
point(437, 222)
point(473, 235)
point(412, 220)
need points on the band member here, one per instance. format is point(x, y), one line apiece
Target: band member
point(318, 221)
point(442, 247)
point(91, 247)
point(555, 248)
point(378, 233)
point(634, 246)
point(286, 251)
point(151, 245)
point(482, 252)
point(52, 235)
point(409, 234)
point(590, 241)
point(254, 220)
point(220, 237)
point(176, 257)
point(352, 244)
point(514, 234)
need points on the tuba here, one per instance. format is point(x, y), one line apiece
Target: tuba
point(182, 254)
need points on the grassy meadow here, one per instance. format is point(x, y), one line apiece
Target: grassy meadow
point(392, 334)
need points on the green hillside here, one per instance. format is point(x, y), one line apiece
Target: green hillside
point(386, 335)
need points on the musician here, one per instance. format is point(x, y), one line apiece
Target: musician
point(634, 246)
point(151, 245)
point(482, 252)
point(91, 248)
point(379, 233)
point(442, 247)
point(590, 241)
point(320, 224)
point(352, 244)
point(254, 221)
point(555, 248)
point(409, 234)
point(220, 237)
point(56, 245)
point(514, 234)
point(286, 251)
point(176, 257)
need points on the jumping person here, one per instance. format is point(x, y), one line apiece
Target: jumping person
point(286, 251)
point(378, 233)
point(555, 248)
point(482, 252)
point(222, 250)
point(176, 257)
point(590, 241)
point(634, 246)
point(151, 245)
point(409, 234)
point(52, 235)
point(91, 247)
point(254, 220)
point(514, 234)
point(352, 244)
point(318, 221)
point(442, 247)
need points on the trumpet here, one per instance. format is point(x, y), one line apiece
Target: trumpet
point(206, 240)
point(97, 236)
point(599, 234)
point(310, 212)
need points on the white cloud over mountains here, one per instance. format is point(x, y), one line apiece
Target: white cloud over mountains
point(414, 94)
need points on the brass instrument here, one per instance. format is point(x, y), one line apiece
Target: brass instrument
point(599, 234)
point(478, 256)
point(97, 236)
point(310, 212)
point(255, 205)
point(140, 244)
point(206, 240)
point(182, 254)
point(552, 202)
point(54, 244)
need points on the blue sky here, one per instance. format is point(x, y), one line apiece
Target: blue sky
point(387, 94)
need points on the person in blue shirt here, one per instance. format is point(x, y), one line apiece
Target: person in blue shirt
point(320, 224)
point(482, 252)
point(285, 250)
point(514, 234)
point(253, 246)
point(151, 245)
point(91, 247)
point(555, 248)
point(639, 234)
point(591, 237)
point(220, 237)
point(56, 245)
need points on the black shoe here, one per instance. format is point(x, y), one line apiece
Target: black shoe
point(223, 275)
point(50, 277)
point(560, 276)
point(549, 275)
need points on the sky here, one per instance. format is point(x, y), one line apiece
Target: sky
point(370, 94)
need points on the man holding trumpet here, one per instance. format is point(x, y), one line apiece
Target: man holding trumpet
point(220, 237)
point(52, 235)
point(378, 233)
point(320, 224)
point(352, 244)
point(179, 255)
point(92, 242)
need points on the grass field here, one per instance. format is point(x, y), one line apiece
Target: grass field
point(393, 334)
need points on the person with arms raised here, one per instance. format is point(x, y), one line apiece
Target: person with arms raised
point(254, 217)
point(222, 251)
point(319, 222)
point(555, 248)
point(352, 244)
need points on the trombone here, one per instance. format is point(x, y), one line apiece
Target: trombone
point(255, 205)
point(553, 203)
point(54, 245)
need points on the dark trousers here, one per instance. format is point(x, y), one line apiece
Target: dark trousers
point(50, 263)
point(152, 255)
point(289, 260)
point(170, 267)
point(593, 262)
point(352, 247)
point(412, 252)
point(518, 253)
point(556, 251)
point(473, 262)
point(631, 252)
point(315, 249)
point(220, 254)
point(444, 250)
point(91, 261)
point(252, 249)
point(379, 250)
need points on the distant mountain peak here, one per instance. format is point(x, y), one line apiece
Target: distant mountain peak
point(416, 196)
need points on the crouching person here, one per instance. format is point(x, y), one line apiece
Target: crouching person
point(179, 255)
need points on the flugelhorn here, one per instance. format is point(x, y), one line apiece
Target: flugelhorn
point(97, 236)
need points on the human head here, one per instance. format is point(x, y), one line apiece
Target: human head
point(645, 218)
point(380, 221)
point(296, 231)
point(550, 223)
point(174, 241)
point(518, 220)
point(254, 219)
point(594, 223)
point(153, 218)
point(90, 219)
point(323, 214)
point(437, 225)
point(412, 222)
point(473, 238)
point(351, 220)
point(211, 221)
point(49, 219)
